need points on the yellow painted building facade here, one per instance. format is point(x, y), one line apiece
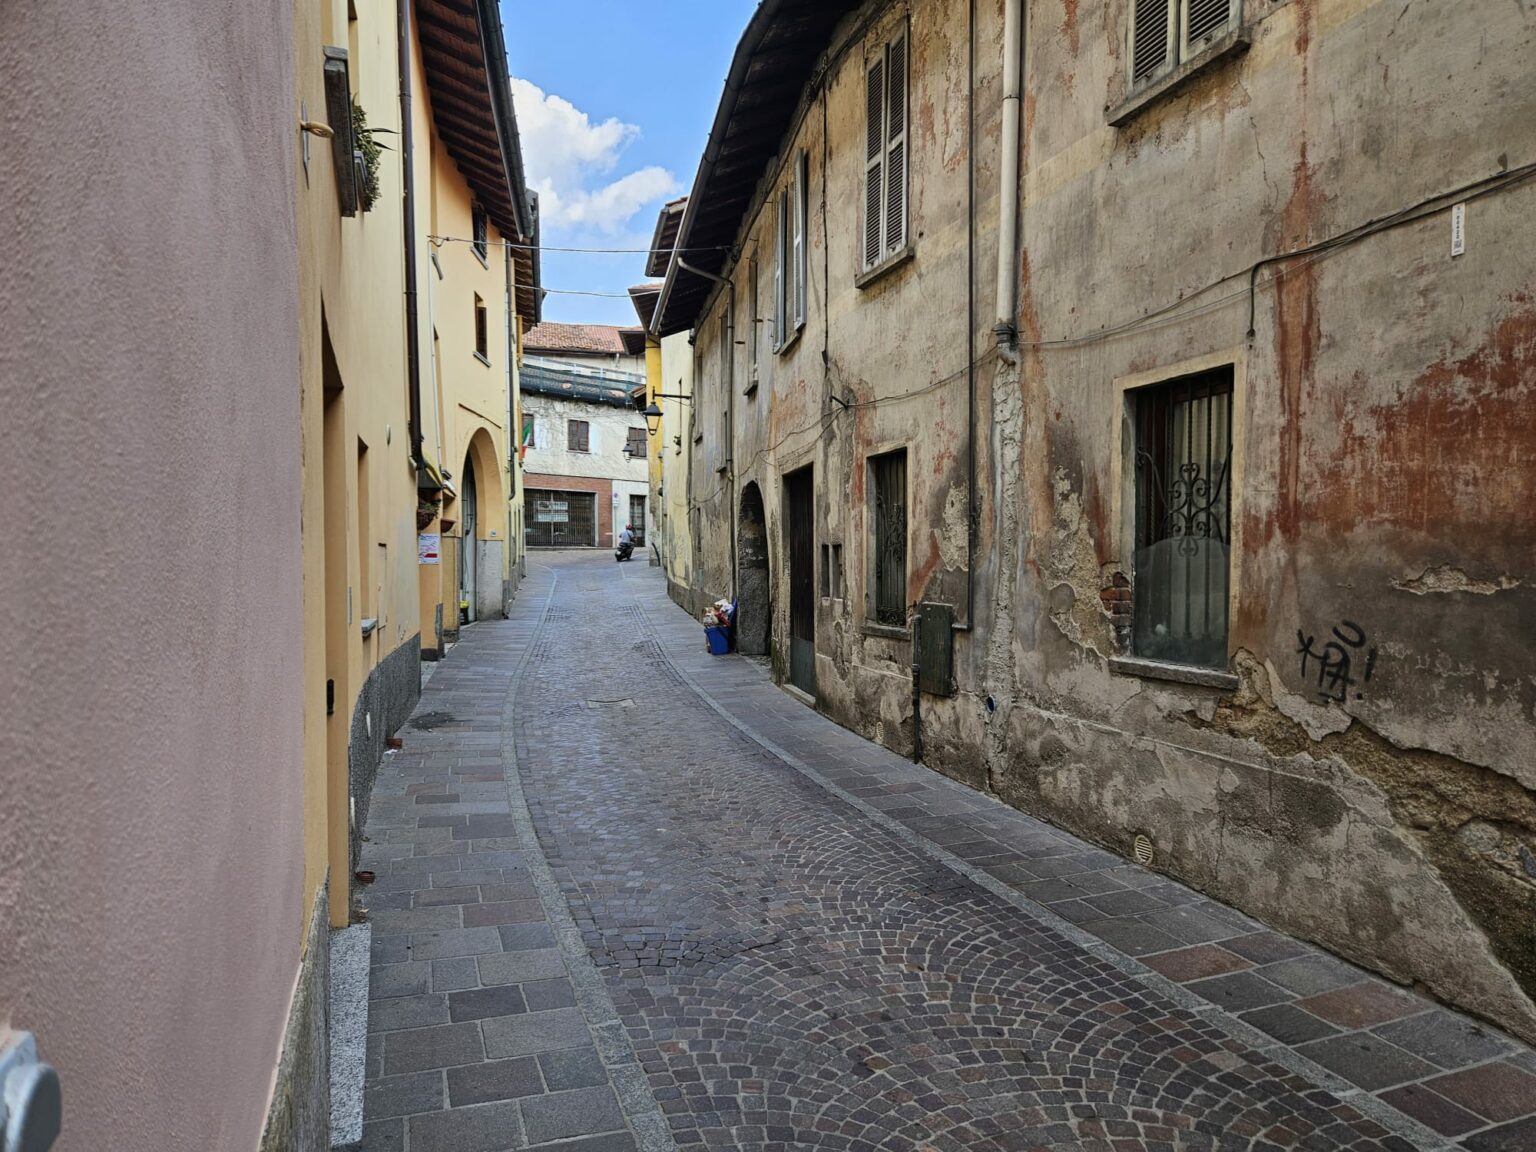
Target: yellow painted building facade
point(475, 294)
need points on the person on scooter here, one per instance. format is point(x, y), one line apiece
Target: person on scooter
point(626, 547)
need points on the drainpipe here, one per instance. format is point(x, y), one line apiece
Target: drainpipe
point(407, 157)
point(970, 329)
point(1006, 329)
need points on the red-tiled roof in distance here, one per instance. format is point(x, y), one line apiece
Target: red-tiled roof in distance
point(591, 339)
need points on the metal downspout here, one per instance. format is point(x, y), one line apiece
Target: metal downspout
point(1006, 328)
point(407, 162)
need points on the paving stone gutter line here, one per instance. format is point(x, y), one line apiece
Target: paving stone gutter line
point(1394, 1121)
point(646, 1122)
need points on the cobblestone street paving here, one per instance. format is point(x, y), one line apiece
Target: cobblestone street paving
point(731, 924)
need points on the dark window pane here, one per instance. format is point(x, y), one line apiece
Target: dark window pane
point(888, 479)
point(1183, 520)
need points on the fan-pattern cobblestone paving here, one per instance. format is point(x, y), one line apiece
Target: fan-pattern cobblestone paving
point(813, 944)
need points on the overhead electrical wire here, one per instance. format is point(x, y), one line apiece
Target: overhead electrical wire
point(588, 251)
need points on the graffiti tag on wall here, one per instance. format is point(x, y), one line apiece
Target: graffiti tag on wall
point(1336, 661)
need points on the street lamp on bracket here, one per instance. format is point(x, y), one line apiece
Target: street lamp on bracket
point(652, 411)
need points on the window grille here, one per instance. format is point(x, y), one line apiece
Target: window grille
point(577, 436)
point(888, 545)
point(1183, 520)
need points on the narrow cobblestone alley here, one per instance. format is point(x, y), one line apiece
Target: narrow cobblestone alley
point(634, 897)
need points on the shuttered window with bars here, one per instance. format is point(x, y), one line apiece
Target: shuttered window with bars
point(1166, 33)
point(885, 151)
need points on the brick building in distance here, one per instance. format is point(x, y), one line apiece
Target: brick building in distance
point(583, 443)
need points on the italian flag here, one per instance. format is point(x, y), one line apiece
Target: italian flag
point(527, 438)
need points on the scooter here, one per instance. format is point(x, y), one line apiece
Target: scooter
point(623, 552)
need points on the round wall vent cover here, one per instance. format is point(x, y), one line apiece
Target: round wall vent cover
point(1143, 849)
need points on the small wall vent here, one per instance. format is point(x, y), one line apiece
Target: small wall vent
point(1142, 848)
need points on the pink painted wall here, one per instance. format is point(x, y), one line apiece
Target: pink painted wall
point(151, 910)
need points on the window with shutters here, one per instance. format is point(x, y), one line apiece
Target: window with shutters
point(778, 269)
point(634, 443)
point(791, 259)
point(1166, 33)
point(752, 322)
point(800, 241)
point(481, 239)
point(482, 331)
point(578, 436)
point(885, 152)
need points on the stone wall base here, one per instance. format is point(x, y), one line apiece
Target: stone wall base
point(388, 697)
point(299, 1117)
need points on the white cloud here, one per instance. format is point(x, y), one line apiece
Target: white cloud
point(569, 160)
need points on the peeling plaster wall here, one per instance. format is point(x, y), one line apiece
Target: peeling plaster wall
point(1383, 476)
point(1383, 446)
point(886, 349)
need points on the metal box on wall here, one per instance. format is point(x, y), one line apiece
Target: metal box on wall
point(936, 649)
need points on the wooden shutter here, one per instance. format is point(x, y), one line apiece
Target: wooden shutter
point(1151, 37)
point(874, 159)
point(1206, 20)
point(778, 277)
point(799, 239)
point(896, 146)
point(751, 317)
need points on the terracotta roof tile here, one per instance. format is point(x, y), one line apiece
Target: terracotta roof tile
point(599, 339)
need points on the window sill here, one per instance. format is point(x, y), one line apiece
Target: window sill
point(483, 257)
point(1178, 673)
point(889, 264)
point(370, 625)
point(483, 359)
point(1234, 43)
point(750, 389)
point(794, 338)
point(885, 631)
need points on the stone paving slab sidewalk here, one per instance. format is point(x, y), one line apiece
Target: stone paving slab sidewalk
point(481, 1037)
point(1363, 1038)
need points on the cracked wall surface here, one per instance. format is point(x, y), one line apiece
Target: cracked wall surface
point(1383, 480)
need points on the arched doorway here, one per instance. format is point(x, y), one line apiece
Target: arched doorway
point(469, 513)
point(753, 611)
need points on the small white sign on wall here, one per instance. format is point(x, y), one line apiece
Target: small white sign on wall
point(1458, 230)
point(429, 548)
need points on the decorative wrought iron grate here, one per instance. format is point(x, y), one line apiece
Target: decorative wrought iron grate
point(1183, 519)
point(888, 477)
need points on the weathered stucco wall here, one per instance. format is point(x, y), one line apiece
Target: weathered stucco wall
point(1382, 476)
point(151, 767)
point(889, 350)
point(1382, 466)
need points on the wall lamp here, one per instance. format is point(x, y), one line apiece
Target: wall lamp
point(652, 411)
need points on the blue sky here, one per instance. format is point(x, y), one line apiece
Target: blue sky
point(614, 102)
